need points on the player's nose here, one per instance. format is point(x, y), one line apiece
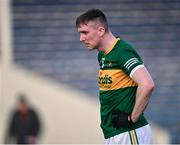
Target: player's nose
point(82, 38)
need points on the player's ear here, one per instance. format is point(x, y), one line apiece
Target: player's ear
point(101, 31)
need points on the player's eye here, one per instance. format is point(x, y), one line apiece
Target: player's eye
point(84, 32)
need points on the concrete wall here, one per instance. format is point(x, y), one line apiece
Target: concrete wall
point(68, 116)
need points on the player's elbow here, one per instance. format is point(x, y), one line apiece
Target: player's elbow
point(149, 86)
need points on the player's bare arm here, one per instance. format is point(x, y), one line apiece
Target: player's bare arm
point(144, 90)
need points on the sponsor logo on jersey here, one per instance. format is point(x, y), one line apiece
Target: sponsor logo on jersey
point(114, 79)
point(105, 80)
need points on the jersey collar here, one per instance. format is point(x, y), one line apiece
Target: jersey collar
point(109, 49)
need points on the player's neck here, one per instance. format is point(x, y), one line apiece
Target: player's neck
point(107, 42)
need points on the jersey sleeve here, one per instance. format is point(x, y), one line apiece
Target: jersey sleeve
point(130, 61)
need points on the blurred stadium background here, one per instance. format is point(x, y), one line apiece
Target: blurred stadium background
point(40, 55)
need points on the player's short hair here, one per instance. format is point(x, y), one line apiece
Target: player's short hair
point(92, 15)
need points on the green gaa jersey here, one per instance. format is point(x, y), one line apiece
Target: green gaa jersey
point(117, 90)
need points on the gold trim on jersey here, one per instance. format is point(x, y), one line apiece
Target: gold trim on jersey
point(109, 49)
point(113, 80)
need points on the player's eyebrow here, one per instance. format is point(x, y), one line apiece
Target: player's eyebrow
point(82, 31)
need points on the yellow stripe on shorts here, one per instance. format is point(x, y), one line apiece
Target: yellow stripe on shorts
point(133, 137)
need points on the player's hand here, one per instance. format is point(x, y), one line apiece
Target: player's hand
point(121, 119)
point(132, 118)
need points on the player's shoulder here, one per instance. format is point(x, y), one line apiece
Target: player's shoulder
point(126, 51)
point(124, 45)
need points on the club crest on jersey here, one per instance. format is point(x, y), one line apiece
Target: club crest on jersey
point(104, 63)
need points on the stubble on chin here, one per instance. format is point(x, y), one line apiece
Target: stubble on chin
point(91, 49)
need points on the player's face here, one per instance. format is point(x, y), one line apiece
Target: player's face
point(89, 35)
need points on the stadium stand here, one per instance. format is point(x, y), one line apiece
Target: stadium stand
point(46, 41)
